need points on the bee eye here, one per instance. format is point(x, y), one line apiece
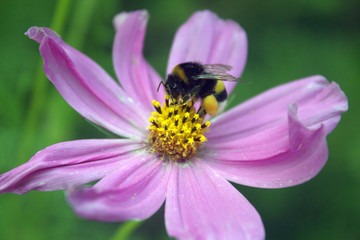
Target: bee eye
point(173, 85)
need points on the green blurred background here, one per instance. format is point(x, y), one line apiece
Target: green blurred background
point(287, 40)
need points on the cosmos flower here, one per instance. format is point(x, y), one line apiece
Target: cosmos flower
point(276, 139)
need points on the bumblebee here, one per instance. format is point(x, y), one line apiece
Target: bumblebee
point(193, 80)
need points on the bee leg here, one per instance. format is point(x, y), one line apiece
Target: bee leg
point(210, 104)
point(184, 99)
point(201, 111)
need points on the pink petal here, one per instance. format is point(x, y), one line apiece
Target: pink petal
point(206, 38)
point(69, 163)
point(87, 87)
point(201, 204)
point(259, 118)
point(136, 190)
point(136, 76)
point(259, 143)
point(304, 156)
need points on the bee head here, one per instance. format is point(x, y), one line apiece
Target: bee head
point(173, 86)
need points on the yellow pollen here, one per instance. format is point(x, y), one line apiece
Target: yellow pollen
point(176, 131)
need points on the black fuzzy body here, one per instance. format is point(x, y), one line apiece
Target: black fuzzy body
point(181, 83)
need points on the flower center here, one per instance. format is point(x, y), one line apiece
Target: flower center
point(176, 130)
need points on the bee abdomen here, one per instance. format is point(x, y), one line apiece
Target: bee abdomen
point(220, 91)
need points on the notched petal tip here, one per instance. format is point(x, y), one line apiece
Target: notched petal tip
point(35, 33)
point(343, 104)
point(205, 13)
point(38, 34)
point(120, 18)
point(292, 110)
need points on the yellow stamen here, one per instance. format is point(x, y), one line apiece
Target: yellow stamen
point(176, 130)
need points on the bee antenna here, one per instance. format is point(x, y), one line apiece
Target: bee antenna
point(168, 90)
point(160, 85)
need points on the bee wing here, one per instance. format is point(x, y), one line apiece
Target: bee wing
point(217, 72)
point(223, 77)
point(217, 68)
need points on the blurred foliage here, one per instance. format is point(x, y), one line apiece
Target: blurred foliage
point(287, 40)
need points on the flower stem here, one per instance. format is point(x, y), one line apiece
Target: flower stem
point(39, 88)
point(125, 230)
point(80, 22)
point(61, 12)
